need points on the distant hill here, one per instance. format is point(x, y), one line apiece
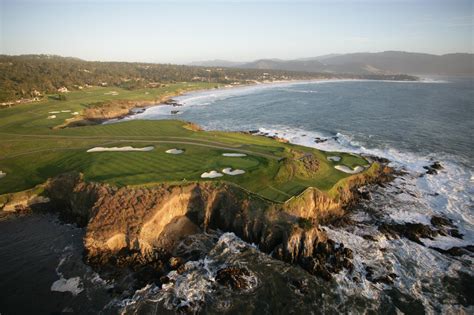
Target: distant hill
point(404, 62)
point(272, 64)
point(387, 62)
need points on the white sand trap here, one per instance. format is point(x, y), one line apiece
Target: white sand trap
point(334, 158)
point(211, 174)
point(234, 154)
point(174, 151)
point(51, 116)
point(2, 174)
point(119, 149)
point(349, 170)
point(75, 113)
point(66, 111)
point(229, 171)
point(54, 112)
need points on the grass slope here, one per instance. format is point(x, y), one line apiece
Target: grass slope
point(31, 151)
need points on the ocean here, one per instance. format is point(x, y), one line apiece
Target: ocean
point(413, 124)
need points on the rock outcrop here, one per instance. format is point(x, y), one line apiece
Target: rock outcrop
point(141, 226)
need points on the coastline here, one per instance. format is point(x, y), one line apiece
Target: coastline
point(115, 115)
point(387, 230)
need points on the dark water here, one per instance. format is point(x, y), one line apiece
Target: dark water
point(37, 251)
point(412, 124)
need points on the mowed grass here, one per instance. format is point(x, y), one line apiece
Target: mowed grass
point(31, 151)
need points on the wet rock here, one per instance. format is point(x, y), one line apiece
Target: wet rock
point(172, 102)
point(433, 168)
point(369, 237)
point(320, 140)
point(175, 262)
point(439, 221)
point(301, 285)
point(463, 285)
point(347, 253)
point(412, 231)
point(369, 273)
point(233, 277)
point(328, 258)
point(165, 280)
point(442, 224)
point(181, 269)
point(455, 233)
point(365, 194)
point(383, 279)
point(456, 251)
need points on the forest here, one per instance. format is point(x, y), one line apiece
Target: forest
point(31, 76)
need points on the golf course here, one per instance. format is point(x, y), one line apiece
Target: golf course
point(33, 148)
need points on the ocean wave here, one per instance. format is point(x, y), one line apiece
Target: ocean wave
point(298, 91)
point(196, 284)
point(417, 196)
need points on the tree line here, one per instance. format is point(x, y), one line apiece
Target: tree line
point(27, 76)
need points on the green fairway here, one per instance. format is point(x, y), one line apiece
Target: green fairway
point(32, 151)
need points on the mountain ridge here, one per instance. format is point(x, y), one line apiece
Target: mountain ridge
point(386, 62)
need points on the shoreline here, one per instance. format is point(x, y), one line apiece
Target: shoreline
point(144, 105)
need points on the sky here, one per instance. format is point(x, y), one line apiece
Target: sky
point(185, 31)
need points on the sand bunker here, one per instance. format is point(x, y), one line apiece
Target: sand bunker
point(334, 158)
point(2, 174)
point(349, 170)
point(211, 174)
point(75, 113)
point(229, 171)
point(234, 154)
point(174, 151)
point(66, 111)
point(51, 116)
point(119, 149)
point(54, 112)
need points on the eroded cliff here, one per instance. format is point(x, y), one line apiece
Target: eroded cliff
point(139, 226)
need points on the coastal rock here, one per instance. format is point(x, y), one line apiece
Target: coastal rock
point(412, 231)
point(141, 227)
point(172, 102)
point(456, 250)
point(233, 277)
point(433, 168)
point(445, 227)
point(417, 231)
point(320, 140)
point(440, 222)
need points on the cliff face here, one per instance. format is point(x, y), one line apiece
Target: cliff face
point(147, 223)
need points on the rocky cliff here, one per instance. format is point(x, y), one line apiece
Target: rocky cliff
point(140, 226)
